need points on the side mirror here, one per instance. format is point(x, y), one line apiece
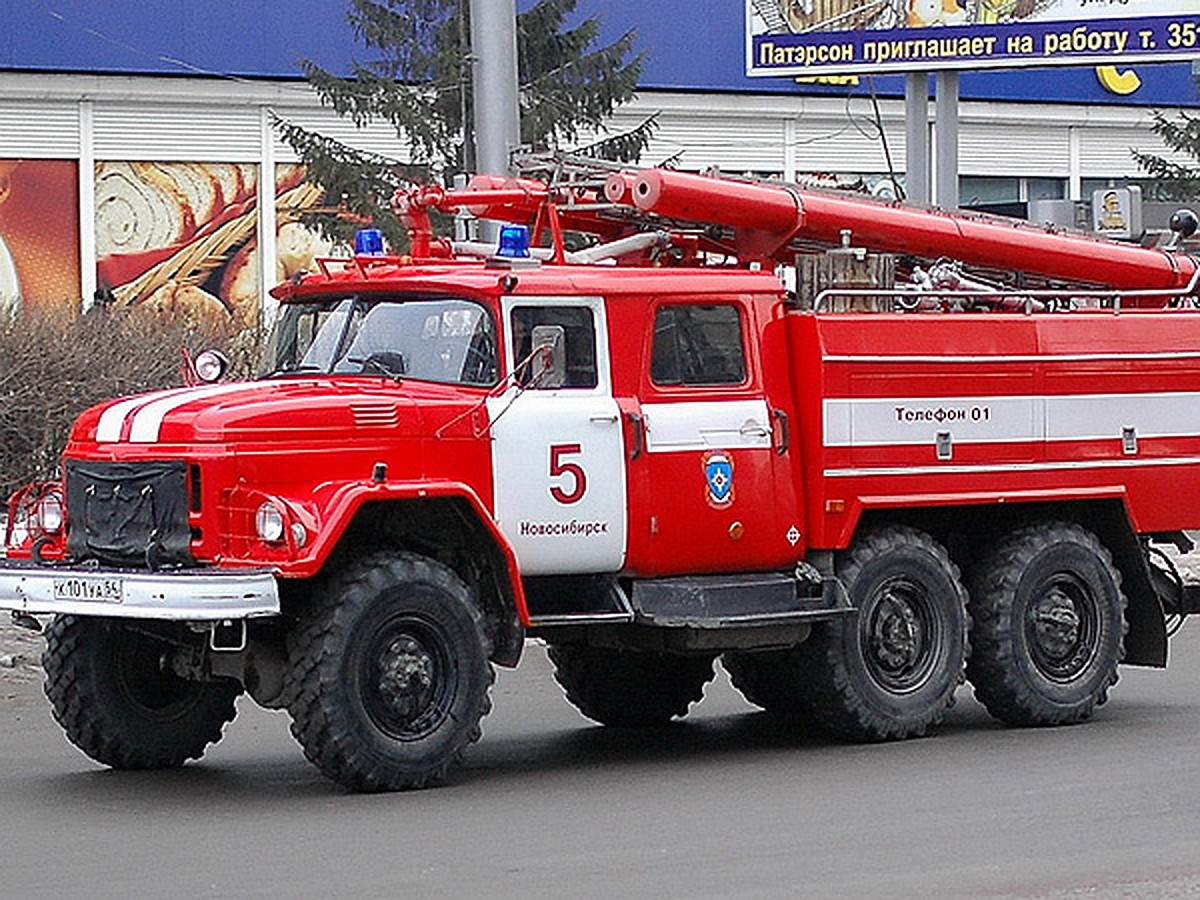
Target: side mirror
point(549, 355)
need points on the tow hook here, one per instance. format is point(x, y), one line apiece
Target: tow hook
point(25, 620)
point(228, 636)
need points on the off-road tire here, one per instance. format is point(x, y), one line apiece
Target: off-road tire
point(766, 678)
point(628, 688)
point(390, 673)
point(889, 671)
point(114, 693)
point(1049, 626)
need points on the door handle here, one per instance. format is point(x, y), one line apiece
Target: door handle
point(784, 431)
point(750, 428)
point(639, 434)
point(603, 418)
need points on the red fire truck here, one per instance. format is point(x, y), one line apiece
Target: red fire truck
point(953, 447)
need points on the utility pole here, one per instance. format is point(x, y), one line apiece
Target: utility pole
point(946, 122)
point(494, 54)
point(916, 116)
point(916, 142)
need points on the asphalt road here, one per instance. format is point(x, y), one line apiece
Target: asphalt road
point(727, 803)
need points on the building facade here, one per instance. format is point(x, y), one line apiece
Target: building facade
point(138, 159)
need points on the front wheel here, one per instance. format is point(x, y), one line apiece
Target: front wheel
point(889, 671)
point(1048, 626)
point(112, 689)
point(390, 674)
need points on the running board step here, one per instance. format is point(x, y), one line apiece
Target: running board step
point(722, 601)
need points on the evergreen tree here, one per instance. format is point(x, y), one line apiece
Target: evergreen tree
point(418, 79)
point(1172, 180)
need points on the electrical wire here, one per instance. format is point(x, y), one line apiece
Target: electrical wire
point(887, 153)
point(147, 54)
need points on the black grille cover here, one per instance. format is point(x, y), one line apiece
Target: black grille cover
point(128, 514)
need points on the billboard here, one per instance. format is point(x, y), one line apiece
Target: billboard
point(177, 37)
point(810, 37)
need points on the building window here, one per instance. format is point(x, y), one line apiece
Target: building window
point(984, 190)
point(979, 190)
point(1045, 189)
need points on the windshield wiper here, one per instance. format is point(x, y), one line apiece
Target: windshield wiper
point(388, 364)
point(293, 369)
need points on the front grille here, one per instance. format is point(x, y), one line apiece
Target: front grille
point(128, 514)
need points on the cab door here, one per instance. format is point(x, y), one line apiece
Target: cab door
point(716, 483)
point(557, 443)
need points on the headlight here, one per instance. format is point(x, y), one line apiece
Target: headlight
point(269, 523)
point(210, 365)
point(50, 513)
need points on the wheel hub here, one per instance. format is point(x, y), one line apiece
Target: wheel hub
point(1056, 623)
point(1062, 628)
point(896, 635)
point(406, 677)
point(899, 636)
point(146, 677)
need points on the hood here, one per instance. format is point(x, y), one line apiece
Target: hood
point(282, 410)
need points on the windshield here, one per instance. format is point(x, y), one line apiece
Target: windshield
point(446, 339)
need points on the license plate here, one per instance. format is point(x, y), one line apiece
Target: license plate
point(99, 590)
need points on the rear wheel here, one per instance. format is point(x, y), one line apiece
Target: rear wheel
point(766, 679)
point(1048, 628)
point(890, 671)
point(112, 689)
point(390, 674)
point(628, 688)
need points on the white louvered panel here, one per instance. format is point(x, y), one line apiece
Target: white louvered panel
point(1106, 151)
point(833, 144)
point(32, 129)
point(696, 142)
point(731, 143)
point(150, 132)
point(736, 143)
point(379, 138)
point(1011, 148)
point(622, 122)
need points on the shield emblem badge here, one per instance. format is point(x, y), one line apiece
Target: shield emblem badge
point(718, 480)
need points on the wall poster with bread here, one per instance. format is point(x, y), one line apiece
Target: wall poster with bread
point(297, 246)
point(182, 237)
point(39, 234)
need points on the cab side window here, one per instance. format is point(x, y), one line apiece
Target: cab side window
point(697, 345)
point(578, 345)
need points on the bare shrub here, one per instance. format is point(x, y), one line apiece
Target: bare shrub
point(55, 365)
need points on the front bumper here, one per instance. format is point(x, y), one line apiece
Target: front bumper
point(192, 595)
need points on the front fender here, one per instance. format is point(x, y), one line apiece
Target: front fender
point(334, 512)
